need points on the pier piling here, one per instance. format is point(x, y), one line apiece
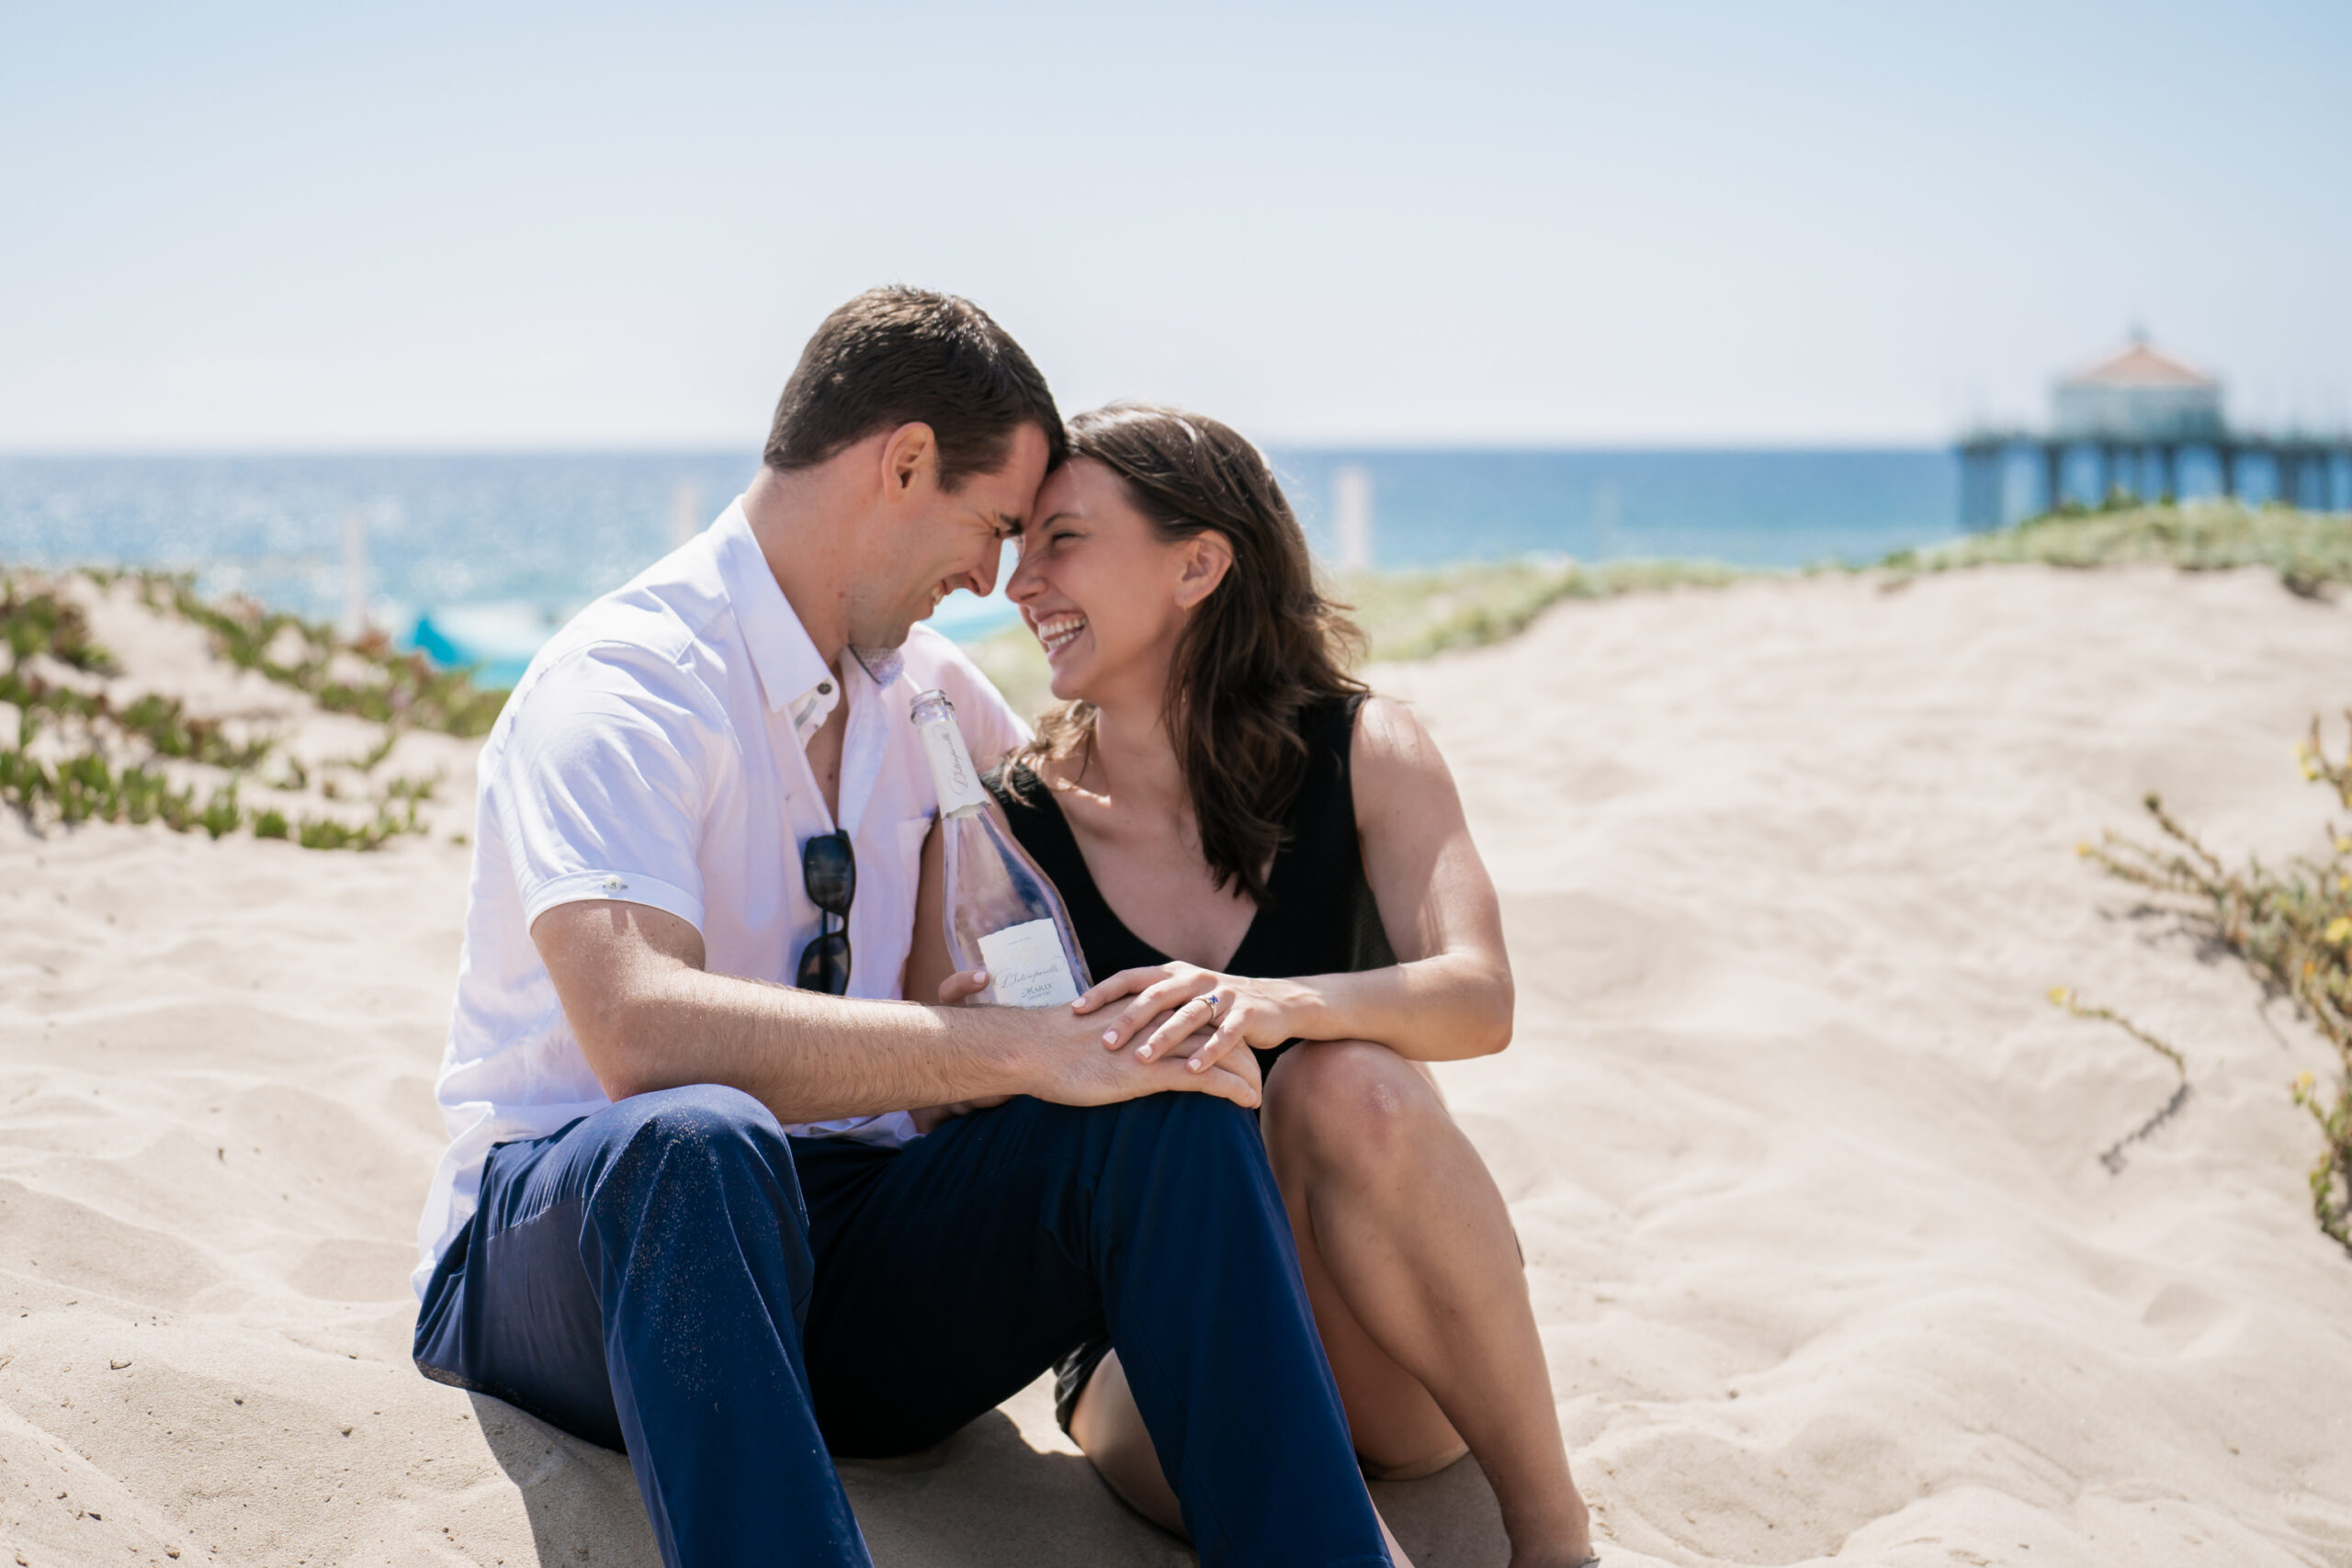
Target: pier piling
point(2303, 469)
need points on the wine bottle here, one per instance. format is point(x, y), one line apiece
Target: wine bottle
point(1002, 913)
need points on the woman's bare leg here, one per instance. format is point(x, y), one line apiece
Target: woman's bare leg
point(1419, 1288)
point(1106, 1424)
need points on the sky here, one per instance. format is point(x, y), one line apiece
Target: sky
point(482, 227)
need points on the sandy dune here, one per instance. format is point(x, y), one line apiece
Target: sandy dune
point(1805, 1165)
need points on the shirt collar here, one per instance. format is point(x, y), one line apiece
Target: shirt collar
point(791, 673)
point(883, 666)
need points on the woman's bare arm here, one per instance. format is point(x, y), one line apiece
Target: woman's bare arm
point(1448, 994)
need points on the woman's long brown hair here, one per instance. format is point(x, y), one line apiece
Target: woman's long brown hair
point(1264, 645)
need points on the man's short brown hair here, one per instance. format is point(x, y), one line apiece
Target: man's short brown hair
point(900, 355)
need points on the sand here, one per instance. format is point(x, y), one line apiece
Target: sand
point(1806, 1165)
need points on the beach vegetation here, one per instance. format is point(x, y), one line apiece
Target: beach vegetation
point(2292, 925)
point(74, 754)
point(42, 623)
point(365, 676)
point(1413, 614)
point(2309, 551)
point(2063, 996)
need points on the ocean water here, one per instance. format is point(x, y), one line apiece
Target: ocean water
point(476, 557)
point(1743, 508)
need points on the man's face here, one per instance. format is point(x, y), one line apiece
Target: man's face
point(944, 540)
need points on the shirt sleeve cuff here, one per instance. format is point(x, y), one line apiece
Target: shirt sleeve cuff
point(621, 886)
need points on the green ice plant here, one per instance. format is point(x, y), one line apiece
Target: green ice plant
point(82, 782)
point(2307, 549)
point(1412, 615)
point(367, 676)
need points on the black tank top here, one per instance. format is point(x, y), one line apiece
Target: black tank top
point(1318, 918)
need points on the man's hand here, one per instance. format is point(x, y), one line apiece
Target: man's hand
point(1070, 1082)
point(1080, 1071)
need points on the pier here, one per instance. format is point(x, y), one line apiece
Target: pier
point(2142, 425)
point(2301, 471)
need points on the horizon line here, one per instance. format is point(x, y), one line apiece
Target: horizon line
point(1358, 446)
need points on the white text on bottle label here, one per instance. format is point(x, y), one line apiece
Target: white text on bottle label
point(1026, 968)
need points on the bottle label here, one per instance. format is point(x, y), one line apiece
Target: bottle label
point(951, 767)
point(1026, 967)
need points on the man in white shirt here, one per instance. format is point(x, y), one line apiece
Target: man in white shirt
point(684, 1210)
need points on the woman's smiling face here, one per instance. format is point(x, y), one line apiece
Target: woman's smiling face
point(1106, 596)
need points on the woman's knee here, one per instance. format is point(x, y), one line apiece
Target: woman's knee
point(1351, 1101)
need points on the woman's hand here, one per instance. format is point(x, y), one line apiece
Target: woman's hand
point(1231, 1010)
point(962, 986)
point(954, 991)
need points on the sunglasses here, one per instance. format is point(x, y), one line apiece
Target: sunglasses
point(828, 871)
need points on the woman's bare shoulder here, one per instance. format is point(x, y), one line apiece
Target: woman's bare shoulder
point(1390, 742)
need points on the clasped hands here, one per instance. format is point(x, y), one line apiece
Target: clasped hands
point(1159, 1010)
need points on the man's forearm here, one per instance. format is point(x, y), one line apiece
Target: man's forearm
point(810, 1057)
point(648, 1015)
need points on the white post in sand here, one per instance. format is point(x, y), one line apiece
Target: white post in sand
point(1352, 517)
point(1604, 520)
point(685, 512)
point(355, 574)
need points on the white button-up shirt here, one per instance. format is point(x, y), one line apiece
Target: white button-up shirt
point(653, 753)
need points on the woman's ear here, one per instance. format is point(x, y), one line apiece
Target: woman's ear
point(1208, 556)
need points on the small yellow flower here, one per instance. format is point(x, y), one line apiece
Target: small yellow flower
point(2344, 885)
point(2339, 929)
point(2304, 1083)
point(2344, 846)
point(2082, 846)
point(2061, 997)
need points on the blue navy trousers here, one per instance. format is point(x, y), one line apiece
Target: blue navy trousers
point(675, 1277)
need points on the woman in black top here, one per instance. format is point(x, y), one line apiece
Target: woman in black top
point(1242, 835)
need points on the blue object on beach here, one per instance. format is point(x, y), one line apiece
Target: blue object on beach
point(499, 638)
